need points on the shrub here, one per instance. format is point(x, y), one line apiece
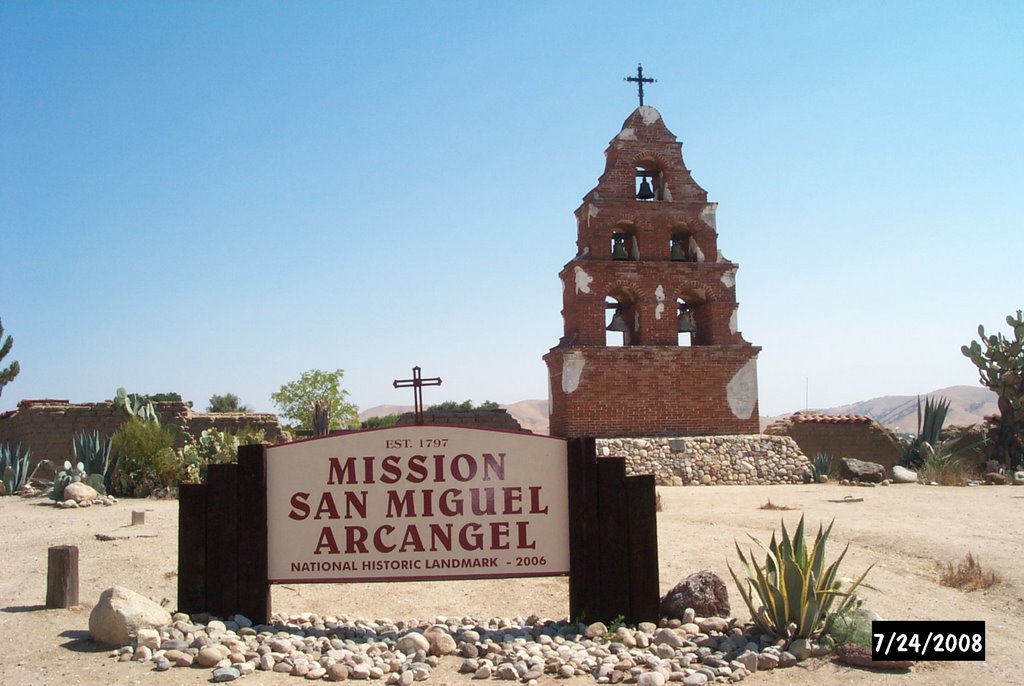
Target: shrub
point(968, 575)
point(792, 595)
point(144, 458)
point(852, 625)
point(213, 447)
point(377, 422)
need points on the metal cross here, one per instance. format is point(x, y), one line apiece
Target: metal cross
point(639, 80)
point(417, 382)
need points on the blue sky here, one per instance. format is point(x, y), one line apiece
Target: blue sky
point(214, 197)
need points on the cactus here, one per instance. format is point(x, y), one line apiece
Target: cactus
point(94, 453)
point(13, 467)
point(68, 474)
point(135, 407)
point(1000, 363)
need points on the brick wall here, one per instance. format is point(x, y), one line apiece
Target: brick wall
point(46, 427)
point(477, 419)
point(854, 436)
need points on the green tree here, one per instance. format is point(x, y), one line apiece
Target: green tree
point(464, 406)
point(228, 402)
point(377, 422)
point(1000, 363)
point(7, 375)
point(296, 400)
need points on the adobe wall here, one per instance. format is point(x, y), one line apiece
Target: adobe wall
point(854, 436)
point(711, 460)
point(46, 427)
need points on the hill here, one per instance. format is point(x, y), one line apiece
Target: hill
point(968, 405)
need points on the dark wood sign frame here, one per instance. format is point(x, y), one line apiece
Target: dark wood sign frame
point(613, 539)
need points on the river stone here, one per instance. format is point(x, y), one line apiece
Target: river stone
point(440, 641)
point(120, 613)
point(412, 642)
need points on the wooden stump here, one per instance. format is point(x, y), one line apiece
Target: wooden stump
point(62, 576)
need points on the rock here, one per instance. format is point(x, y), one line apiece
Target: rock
point(80, 492)
point(668, 637)
point(1018, 478)
point(695, 679)
point(209, 656)
point(412, 642)
point(801, 649)
point(767, 660)
point(709, 624)
point(440, 641)
point(995, 478)
point(787, 659)
point(120, 613)
point(902, 475)
point(748, 659)
point(867, 472)
point(853, 654)
point(337, 672)
point(650, 679)
point(705, 592)
point(226, 674)
point(596, 630)
point(149, 638)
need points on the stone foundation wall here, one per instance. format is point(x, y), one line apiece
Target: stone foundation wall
point(696, 460)
point(46, 427)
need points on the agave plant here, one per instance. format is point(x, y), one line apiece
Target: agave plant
point(793, 594)
point(929, 426)
point(94, 453)
point(821, 466)
point(13, 467)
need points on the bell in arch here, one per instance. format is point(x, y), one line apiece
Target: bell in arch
point(686, 323)
point(645, 192)
point(619, 249)
point(618, 322)
point(679, 253)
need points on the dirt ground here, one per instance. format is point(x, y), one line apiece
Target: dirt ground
point(908, 531)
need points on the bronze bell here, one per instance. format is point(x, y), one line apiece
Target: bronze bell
point(679, 252)
point(618, 322)
point(686, 323)
point(619, 249)
point(645, 192)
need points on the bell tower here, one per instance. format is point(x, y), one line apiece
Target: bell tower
point(651, 345)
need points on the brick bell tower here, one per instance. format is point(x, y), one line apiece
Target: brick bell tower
point(651, 345)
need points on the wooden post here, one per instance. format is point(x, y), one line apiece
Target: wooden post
point(584, 573)
point(645, 595)
point(253, 586)
point(192, 548)
point(222, 540)
point(613, 521)
point(62, 576)
point(138, 517)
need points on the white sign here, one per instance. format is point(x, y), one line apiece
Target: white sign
point(417, 502)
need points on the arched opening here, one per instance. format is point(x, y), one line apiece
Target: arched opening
point(622, 319)
point(688, 317)
point(679, 244)
point(624, 245)
point(650, 182)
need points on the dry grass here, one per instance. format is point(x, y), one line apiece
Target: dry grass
point(968, 575)
point(769, 505)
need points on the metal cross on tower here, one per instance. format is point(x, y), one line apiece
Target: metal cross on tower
point(417, 382)
point(639, 80)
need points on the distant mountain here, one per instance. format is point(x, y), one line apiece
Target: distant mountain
point(967, 405)
point(531, 414)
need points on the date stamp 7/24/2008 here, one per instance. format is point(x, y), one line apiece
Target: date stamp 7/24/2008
point(928, 640)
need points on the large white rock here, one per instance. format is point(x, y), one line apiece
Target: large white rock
point(79, 492)
point(120, 613)
point(902, 475)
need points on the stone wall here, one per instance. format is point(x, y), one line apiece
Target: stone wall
point(708, 460)
point(46, 427)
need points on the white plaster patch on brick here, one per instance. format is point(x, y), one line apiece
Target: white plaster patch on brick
point(695, 250)
point(593, 210)
point(572, 370)
point(627, 135)
point(741, 392)
point(733, 321)
point(708, 214)
point(649, 114)
point(729, 278)
point(721, 257)
point(659, 297)
point(583, 280)
point(666, 194)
